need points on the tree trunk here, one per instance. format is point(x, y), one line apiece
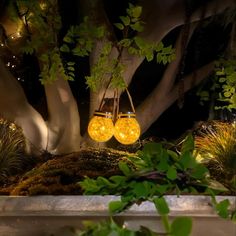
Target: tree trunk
point(15, 107)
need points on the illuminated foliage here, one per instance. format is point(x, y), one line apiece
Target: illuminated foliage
point(216, 145)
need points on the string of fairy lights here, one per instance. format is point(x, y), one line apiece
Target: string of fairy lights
point(11, 60)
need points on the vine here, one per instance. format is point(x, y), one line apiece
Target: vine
point(80, 41)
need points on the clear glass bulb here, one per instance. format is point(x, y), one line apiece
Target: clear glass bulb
point(127, 129)
point(101, 127)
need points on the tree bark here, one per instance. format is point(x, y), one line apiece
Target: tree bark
point(158, 101)
point(15, 107)
point(64, 120)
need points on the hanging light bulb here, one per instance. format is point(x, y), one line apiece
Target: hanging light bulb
point(127, 129)
point(101, 127)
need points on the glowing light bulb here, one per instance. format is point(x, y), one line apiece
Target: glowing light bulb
point(101, 127)
point(2, 45)
point(127, 129)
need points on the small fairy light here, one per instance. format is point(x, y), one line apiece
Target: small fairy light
point(14, 56)
point(8, 64)
point(100, 127)
point(12, 127)
point(2, 45)
point(13, 66)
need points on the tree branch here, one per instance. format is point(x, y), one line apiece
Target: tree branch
point(163, 16)
point(15, 107)
point(193, 79)
point(172, 69)
point(64, 120)
point(156, 103)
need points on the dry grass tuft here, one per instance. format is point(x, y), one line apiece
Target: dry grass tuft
point(217, 145)
point(12, 149)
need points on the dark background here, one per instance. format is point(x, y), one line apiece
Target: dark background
point(206, 44)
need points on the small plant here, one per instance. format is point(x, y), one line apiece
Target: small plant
point(217, 144)
point(156, 172)
point(12, 149)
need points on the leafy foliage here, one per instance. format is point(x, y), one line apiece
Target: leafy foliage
point(226, 76)
point(131, 24)
point(105, 68)
point(42, 23)
point(224, 209)
point(155, 172)
point(222, 86)
point(111, 228)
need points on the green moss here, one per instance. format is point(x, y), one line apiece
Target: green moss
point(61, 174)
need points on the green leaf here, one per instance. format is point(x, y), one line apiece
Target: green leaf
point(162, 189)
point(125, 42)
point(220, 73)
point(227, 94)
point(222, 79)
point(89, 186)
point(117, 179)
point(70, 63)
point(71, 68)
point(137, 26)
point(149, 56)
point(125, 168)
point(68, 39)
point(163, 165)
point(161, 205)
point(139, 190)
point(116, 206)
point(222, 208)
point(119, 26)
point(136, 11)
point(171, 173)
point(125, 20)
point(152, 148)
point(181, 226)
point(64, 48)
point(159, 46)
point(173, 155)
point(199, 172)
point(140, 42)
point(187, 161)
point(188, 145)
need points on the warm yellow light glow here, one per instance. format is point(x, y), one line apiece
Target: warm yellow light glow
point(101, 127)
point(127, 129)
point(43, 5)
